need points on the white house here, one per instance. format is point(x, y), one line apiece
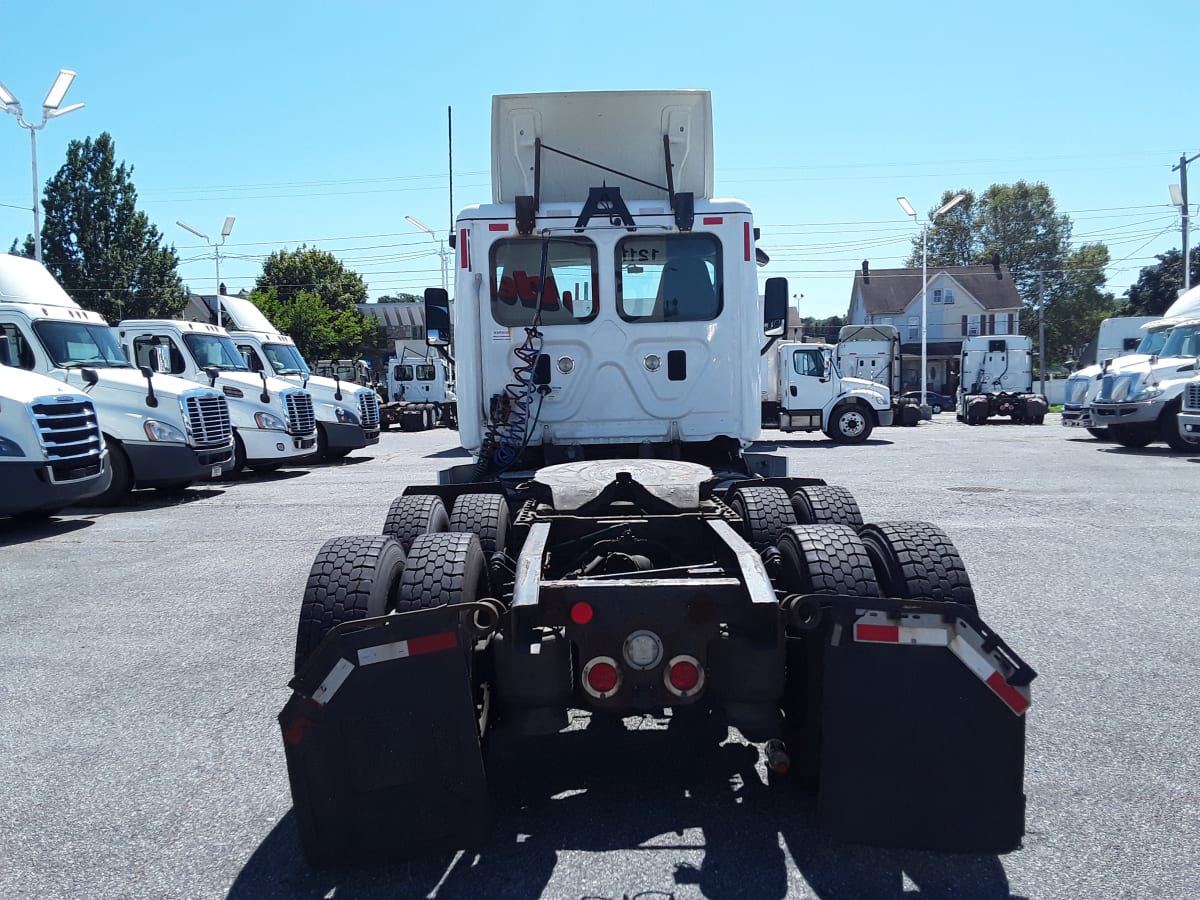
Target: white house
point(962, 301)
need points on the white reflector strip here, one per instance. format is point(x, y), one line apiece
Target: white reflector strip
point(382, 653)
point(334, 680)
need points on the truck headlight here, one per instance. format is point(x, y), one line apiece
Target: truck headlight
point(10, 448)
point(269, 422)
point(162, 431)
point(1147, 393)
point(345, 416)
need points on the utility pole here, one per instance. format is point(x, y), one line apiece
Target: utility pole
point(1183, 214)
point(1042, 331)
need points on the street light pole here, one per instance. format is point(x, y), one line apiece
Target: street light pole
point(1182, 203)
point(441, 249)
point(908, 209)
point(50, 110)
point(225, 230)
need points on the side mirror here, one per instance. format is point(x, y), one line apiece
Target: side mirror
point(212, 372)
point(265, 396)
point(437, 317)
point(5, 352)
point(148, 374)
point(775, 307)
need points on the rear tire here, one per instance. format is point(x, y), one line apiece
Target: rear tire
point(1169, 430)
point(916, 560)
point(765, 513)
point(1132, 436)
point(826, 504)
point(484, 515)
point(412, 515)
point(826, 559)
point(443, 569)
point(351, 578)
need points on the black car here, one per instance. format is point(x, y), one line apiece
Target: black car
point(937, 402)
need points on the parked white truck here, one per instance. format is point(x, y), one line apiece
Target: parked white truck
point(52, 453)
point(274, 422)
point(347, 414)
point(997, 380)
point(613, 549)
point(420, 392)
point(803, 390)
point(1121, 338)
point(872, 352)
point(160, 431)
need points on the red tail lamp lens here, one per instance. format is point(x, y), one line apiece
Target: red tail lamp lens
point(602, 677)
point(684, 676)
point(581, 613)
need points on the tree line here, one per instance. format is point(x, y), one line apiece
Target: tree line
point(111, 258)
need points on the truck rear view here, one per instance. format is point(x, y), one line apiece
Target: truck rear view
point(614, 547)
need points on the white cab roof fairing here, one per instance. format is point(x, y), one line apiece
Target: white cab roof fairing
point(1187, 305)
point(621, 130)
point(242, 315)
point(25, 280)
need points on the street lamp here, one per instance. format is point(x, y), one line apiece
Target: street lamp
point(50, 110)
point(441, 248)
point(907, 207)
point(225, 229)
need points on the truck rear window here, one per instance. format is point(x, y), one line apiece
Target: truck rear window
point(569, 294)
point(669, 278)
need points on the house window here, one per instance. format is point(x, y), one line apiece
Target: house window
point(949, 297)
point(937, 296)
point(970, 326)
point(1003, 324)
point(914, 328)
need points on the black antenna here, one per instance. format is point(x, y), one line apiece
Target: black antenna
point(450, 153)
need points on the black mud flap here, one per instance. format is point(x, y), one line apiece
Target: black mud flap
point(382, 740)
point(923, 729)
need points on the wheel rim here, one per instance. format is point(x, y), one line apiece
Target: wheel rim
point(852, 423)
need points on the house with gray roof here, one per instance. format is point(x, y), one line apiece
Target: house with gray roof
point(962, 301)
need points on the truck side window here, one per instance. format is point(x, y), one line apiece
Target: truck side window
point(674, 278)
point(19, 348)
point(809, 362)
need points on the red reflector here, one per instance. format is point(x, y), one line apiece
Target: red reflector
point(713, 220)
point(464, 258)
point(602, 677)
point(432, 643)
point(1010, 695)
point(889, 634)
point(684, 676)
point(294, 733)
point(497, 226)
point(746, 240)
point(581, 613)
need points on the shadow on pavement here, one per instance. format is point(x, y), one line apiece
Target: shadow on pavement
point(668, 792)
point(19, 531)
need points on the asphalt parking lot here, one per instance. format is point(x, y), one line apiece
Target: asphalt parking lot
point(145, 652)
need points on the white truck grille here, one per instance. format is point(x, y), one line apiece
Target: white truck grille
point(1191, 397)
point(71, 435)
point(368, 408)
point(207, 415)
point(302, 419)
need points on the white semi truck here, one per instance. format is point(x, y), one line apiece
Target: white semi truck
point(997, 380)
point(420, 392)
point(616, 547)
point(52, 453)
point(1120, 338)
point(274, 422)
point(804, 390)
point(872, 352)
point(161, 432)
point(347, 414)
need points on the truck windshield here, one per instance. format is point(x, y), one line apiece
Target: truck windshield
point(73, 344)
point(1152, 342)
point(285, 359)
point(669, 278)
point(215, 350)
point(1184, 341)
point(570, 292)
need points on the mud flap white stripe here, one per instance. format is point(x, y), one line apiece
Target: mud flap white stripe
point(334, 680)
point(382, 653)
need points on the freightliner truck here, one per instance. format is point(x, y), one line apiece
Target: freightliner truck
point(52, 454)
point(347, 414)
point(161, 432)
point(997, 380)
point(274, 422)
point(618, 547)
point(1119, 342)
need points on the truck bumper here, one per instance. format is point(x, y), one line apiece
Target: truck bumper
point(340, 436)
point(1144, 412)
point(1078, 417)
point(1189, 426)
point(276, 446)
point(30, 487)
point(168, 465)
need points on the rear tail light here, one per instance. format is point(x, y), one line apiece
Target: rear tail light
point(684, 676)
point(601, 677)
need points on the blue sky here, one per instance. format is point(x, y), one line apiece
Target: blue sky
point(326, 124)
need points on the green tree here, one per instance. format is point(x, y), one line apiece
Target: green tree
point(952, 236)
point(320, 332)
point(309, 270)
point(102, 249)
point(400, 298)
point(1158, 286)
